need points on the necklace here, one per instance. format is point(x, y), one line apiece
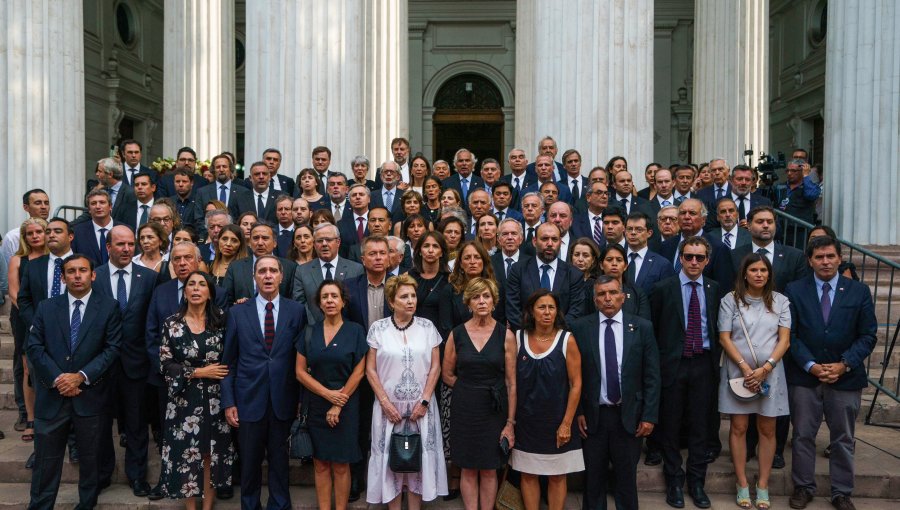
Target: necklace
point(404, 328)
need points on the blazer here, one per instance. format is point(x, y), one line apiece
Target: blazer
point(33, 288)
point(708, 196)
point(583, 184)
point(96, 350)
point(287, 185)
point(126, 203)
point(133, 350)
point(654, 268)
point(755, 200)
point(499, 263)
point(667, 311)
point(85, 241)
point(239, 281)
point(142, 168)
point(510, 213)
point(525, 278)
point(269, 212)
point(743, 239)
point(308, 278)
point(163, 304)
point(347, 228)
point(558, 171)
point(357, 310)
point(583, 227)
point(192, 215)
point(475, 182)
point(790, 263)
point(719, 268)
point(640, 380)
point(284, 242)
point(848, 335)
point(644, 193)
point(256, 376)
point(165, 186)
point(377, 200)
point(240, 199)
point(525, 180)
point(565, 194)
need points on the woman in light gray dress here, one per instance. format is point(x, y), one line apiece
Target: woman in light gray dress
point(767, 317)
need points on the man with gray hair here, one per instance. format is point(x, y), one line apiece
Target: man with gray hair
point(215, 221)
point(109, 176)
point(509, 237)
point(398, 253)
point(518, 177)
point(388, 196)
point(547, 147)
point(464, 181)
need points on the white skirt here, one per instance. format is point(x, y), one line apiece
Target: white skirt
point(547, 464)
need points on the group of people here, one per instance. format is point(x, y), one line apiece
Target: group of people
point(539, 318)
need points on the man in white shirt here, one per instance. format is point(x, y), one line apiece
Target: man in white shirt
point(337, 193)
point(560, 214)
point(36, 204)
point(510, 236)
point(729, 232)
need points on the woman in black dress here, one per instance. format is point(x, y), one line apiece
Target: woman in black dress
point(473, 261)
point(230, 247)
point(330, 365)
point(480, 366)
point(197, 452)
point(431, 274)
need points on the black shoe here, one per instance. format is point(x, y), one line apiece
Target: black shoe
point(354, 488)
point(156, 493)
point(354, 496)
point(225, 492)
point(710, 457)
point(701, 500)
point(140, 488)
point(675, 496)
point(20, 424)
point(778, 461)
point(122, 441)
point(451, 494)
point(103, 484)
point(800, 498)
point(842, 502)
point(2, 435)
point(653, 459)
point(29, 464)
point(73, 456)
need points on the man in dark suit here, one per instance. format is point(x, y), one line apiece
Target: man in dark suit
point(43, 275)
point(572, 178)
point(510, 238)
point(185, 158)
point(284, 217)
point(518, 177)
point(685, 175)
point(109, 174)
point(131, 286)
point(321, 161)
point(378, 223)
point(645, 267)
point(685, 311)
point(337, 195)
point(90, 236)
point(263, 194)
point(548, 271)
point(388, 196)
point(239, 278)
point(72, 347)
point(533, 214)
point(186, 206)
point(400, 151)
point(664, 191)
point(619, 399)
point(502, 195)
point(544, 169)
point(731, 234)
point(547, 147)
point(131, 151)
point(740, 191)
point(214, 222)
point(136, 206)
point(625, 198)
point(832, 333)
point(721, 187)
point(590, 223)
point(354, 225)
point(464, 181)
point(260, 392)
point(278, 182)
point(238, 198)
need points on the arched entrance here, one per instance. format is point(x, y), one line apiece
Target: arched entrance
point(468, 113)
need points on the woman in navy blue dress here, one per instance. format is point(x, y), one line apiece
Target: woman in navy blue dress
point(330, 365)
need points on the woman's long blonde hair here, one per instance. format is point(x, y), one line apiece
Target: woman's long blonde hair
point(24, 248)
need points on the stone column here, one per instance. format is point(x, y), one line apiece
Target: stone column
point(42, 106)
point(731, 92)
point(339, 82)
point(862, 119)
point(198, 66)
point(584, 75)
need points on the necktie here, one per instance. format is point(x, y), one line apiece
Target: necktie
point(598, 231)
point(104, 255)
point(679, 200)
point(613, 390)
point(56, 289)
point(509, 263)
point(517, 187)
point(260, 206)
point(666, 203)
point(499, 216)
point(720, 192)
point(693, 335)
point(764, 252)
point(223, 197)
point(133, 171)
point(337, 212)
point(269, 326)
point(574, 189)
point(112, 195)
point(144, 212)
point(631, 266)
point(360, 229)
point(624, 203)
point(726, 240)
point(389, 200)
point(76, 324)
point(742, 213)
point(181, 295)
point(545, 277)
point(464, 184)
point(530, 234)
point(826, 301)
point(677, 263)
point(121, 293)
point(328, 274)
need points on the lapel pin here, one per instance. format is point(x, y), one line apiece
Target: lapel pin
point(841, 289)
point(631, 328)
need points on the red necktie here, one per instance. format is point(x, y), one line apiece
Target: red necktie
point(269, 326)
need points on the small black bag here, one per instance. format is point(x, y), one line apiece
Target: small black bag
point(301, 444)
point(405, 455)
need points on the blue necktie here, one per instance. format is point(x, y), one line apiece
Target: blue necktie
point(76, 324)
point(464, 184)
point(121, 293)
point(56, 289)
point(545, 277)
point(826, 301)
point(222, 196)
point(509, 263)
point(104, 255)
point(613, 391)
point(720, 192)
point(389, 200)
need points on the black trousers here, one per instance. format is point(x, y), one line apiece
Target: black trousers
point(50, 441)
point(366, 401)
point(687, 399)
point(610, 443)
point(265, 439)
point(128, 395)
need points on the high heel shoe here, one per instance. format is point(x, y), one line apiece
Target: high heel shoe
point(743, 497)
point(762, 499)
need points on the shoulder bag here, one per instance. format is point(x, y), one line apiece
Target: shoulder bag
point(737, 385)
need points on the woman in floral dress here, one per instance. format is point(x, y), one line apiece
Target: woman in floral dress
point(197, 453)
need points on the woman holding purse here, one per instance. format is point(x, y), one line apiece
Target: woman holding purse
point(754, 330)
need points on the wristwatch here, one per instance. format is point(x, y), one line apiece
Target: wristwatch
point(846, 365)
point(772, 362)
point(424, 403)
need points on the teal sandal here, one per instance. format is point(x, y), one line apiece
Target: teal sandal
point(762, 499)
point(743, 497)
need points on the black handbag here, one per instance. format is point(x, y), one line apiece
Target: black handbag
point(405, 454)
point(300, 443)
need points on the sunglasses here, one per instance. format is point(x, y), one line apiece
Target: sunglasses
point(693, 256)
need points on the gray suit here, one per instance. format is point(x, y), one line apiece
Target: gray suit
point(308, 278)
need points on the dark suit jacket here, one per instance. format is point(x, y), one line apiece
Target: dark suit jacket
point(85, 241)
point(126, 175)
point(743, 238)
point(33, 288)
point(378, 201)
point(126, 203)
point(96, 350)
point(526, 180)
point(510, 213)
point(525, 278)
point(654, 268)
point(357, 310)
point(308, 279)
point(667, 311)
point(565, 194)
point(347, 228)
point(283, 242)
point(583, 227)
point(640, 381)
point(256, 376)
point(559, 171)
point(288, 187)
point(719, 268)
point(133, 351)
point(708, 196)
point(475, 182)
point(269, 212)
point(240, 199)
point(644, 193)
point(499, 264)
point(848, 335)
point(165, 186)
point(193, 215)
point(239, 282)
point(755, 200)
point(583, 184)
point(790, 263)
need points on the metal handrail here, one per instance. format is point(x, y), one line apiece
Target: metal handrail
point(791, 228)
point(65, 211)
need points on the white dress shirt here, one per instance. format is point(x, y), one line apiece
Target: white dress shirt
point(84, 302)
point(515, 258)
point(261, 311)
point(661, 200)
point(114, 279)
point(227, 190)
point(734, 235)
point(564, 247)
point(619, 333)
point(551, 272)
point(770, 248)
point(638, 261)
point(140, 211)
point(108, 227)
point(334, 264)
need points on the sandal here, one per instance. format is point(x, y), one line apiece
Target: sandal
point(28, 437)
point(743, 497)
point(762, 498)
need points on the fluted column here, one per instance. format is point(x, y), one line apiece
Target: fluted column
point(584, 75)
point(862, 121)
point(198, 65)
point(42, 103)
point(339, 82)
point(731, 93)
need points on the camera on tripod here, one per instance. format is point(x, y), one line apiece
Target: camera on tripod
point(767, 167)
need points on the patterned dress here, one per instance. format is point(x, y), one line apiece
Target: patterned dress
point(402, 368)
point(195, 423)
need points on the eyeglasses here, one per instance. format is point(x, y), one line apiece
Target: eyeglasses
point(638, 230)
point(325, 240)
point(667, 219)
point(693, 256)
point(600, 193)
point(187, 160)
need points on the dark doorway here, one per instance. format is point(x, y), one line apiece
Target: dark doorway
point(468, 113)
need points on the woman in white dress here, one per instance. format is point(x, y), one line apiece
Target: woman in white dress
point(403, 367)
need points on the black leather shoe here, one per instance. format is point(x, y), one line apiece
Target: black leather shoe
point(122, 440)
point(675, 496)
point(710, 457)
point(842, 502)
point(701, 500)
point(140, 488)
point(800, 498)
point(225, 492)
point(73, 455)
point(103, 484)
point(156, 493)
point(653, 459)
point(778, 462)
point(451, 494)
point(29, 464)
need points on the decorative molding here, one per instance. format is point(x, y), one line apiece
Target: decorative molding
point(467, 67)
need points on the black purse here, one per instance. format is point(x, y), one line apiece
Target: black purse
point(300, 443)
point(405, 454)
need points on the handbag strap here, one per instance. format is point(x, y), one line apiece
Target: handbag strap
point(744, 328)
